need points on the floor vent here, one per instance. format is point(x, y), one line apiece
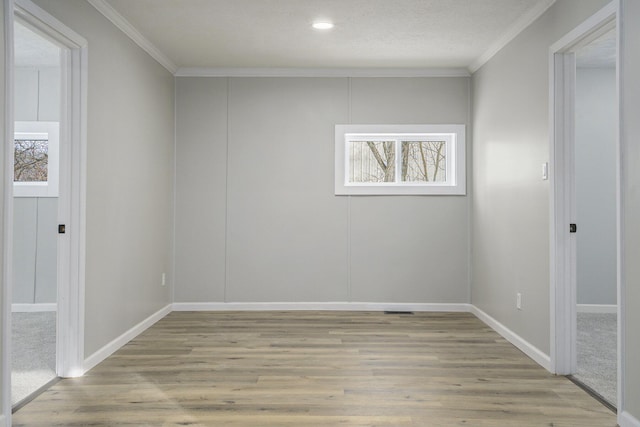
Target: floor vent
point(397, 312)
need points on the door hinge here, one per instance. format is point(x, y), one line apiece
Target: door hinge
point(573, 228)
point(62, 229)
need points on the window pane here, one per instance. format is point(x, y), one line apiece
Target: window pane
point(372, 161)
point(31, 160)
point(424, 161)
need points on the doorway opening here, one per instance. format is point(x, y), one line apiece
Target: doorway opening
point(596, 122)
point(37, 85)
point(51, 203)
point(585, 207)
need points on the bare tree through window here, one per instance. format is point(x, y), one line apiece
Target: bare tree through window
point(375, 161)
point(31, 160)
point(372, 161)
point(424, 161)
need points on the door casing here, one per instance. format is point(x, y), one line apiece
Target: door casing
point(562, 74)
point(72, 198)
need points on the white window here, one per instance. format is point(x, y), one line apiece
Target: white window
point(400, 159)
point(35, 172)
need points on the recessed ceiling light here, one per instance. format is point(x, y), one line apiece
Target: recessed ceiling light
point(322, 25)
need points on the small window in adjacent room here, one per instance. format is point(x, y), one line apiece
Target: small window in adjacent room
point(400, 159)
point(35, 172)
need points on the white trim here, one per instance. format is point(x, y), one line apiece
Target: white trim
point(125, 26)
point(621, 183)
point(32, 308)
point(562, 246)
point(6, 180)
point(561, 204)
point(596, 21)
point(31, 13)
point(511, 33)
point(527, 348)
point(72, 199)
point(625, 419)
point(318, 306)
point(321, 72)
point(123, 339)
point(597, 308)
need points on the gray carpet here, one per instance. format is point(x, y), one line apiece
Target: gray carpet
point(33, 352)
point(597, 353)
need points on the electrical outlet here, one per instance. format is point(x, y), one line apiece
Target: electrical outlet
point(164, 279)
point(519, 301)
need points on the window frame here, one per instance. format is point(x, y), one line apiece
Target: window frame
point(50, 187)
point(455, 183)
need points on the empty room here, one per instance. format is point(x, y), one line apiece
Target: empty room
point(320, 213)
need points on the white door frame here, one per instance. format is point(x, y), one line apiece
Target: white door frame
point(72, 199)
point(562, 197)
point(7, 205)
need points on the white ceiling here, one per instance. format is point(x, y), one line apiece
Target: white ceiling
point(367, 33)
point(33, 50)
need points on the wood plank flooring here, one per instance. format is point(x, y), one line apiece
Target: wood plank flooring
point(316, 369)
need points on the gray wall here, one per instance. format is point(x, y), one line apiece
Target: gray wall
point(256, 217)
point(37, 94)
point(36, 98)
point(510, 237)
point(595, 169)
point(35, 239)
point(129, 176)
point(630, 140)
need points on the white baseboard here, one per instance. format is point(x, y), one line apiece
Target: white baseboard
point(316, 306)
point(527, 348)
point(117, 343)
point(597, 308)
point(625, 419)
point(28, 308)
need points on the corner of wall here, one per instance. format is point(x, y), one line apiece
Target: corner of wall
point(525, 346)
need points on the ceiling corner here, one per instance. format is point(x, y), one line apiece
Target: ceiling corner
point(125, 26)
point(511, 33)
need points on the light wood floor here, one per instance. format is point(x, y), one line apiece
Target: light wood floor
point(316, 369)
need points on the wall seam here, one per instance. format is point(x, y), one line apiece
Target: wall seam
point(470, 194)
point(226, 196)
point(175, 190)
point(349, 119)
point(38, 95)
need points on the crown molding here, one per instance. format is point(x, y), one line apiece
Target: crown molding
point(322, 72)
point(512, 32)
point(125, 26)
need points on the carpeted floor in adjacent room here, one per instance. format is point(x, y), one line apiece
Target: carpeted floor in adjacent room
point(33, 352)
point(597, 353)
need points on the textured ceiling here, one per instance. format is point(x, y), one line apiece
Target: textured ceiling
point(367, 33)
point(32, 50)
